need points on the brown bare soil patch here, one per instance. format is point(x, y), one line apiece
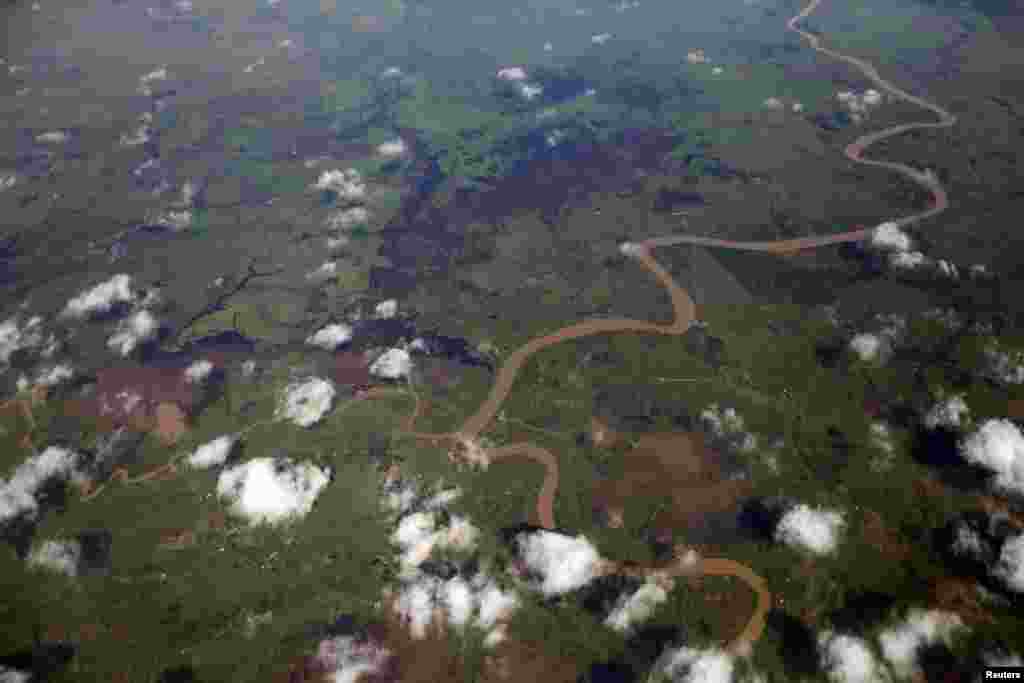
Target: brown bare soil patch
point(960, 596)
point(676, 466)
point(883, 538)
point(519, 660)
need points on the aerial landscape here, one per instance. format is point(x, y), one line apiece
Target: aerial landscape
point(630, 341)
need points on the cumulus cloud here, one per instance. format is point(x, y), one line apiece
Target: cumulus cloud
point(15, 336)
point(386, 309)
point(331, 337)
point(265, 491)
point(848, 659)
point(902, 643)
point(214, 452)
point(512, 73)
point(870, 347)
point(564, 563)
point(890, 236)
point(1005, 367)
point(197, 372)
point(48, 377)
point(102, 298)
point(349, 660)
point(951, 413)
point(392, 148)
point(811, 529)
point(637, 607)
point(306, 402)
point(324, 272)
point(998, 446)
point(1010, 567)
point(347, 184)
point(392, 364)
point(138, 329)
point(17, 494)
point(726, 422)
point(57, 556)
point(690, 665)
point(346, 218)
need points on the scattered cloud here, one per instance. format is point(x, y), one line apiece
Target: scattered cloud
point(848, 659)
point(811, 529)
point(102, 298)
point(1010, 567)
point(306, 402)
point(386, 309)
point(214, 452)
point(392, 364)
point(998, 445)
point(139, 328)
point(265, 491)
point(564, 563)
point(890, 236)
point(57, 556)
point(331, 337)
point(199, 371)
point(348, 184)
point(690, 665)
point(639, 606)
point(951, 413)
point(17, 494)
point(902, 643)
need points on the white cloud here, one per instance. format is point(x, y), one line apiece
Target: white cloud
point(17, 494)
point(14, 336)
point(214, 452)
point(198, 371)
point(869, 347)
point(14, 676)
point(324, 272)
point(52, 376)
point(1010, 567)
point(458, 600)
point(728, 423)
point(530, 91)
point(512, 73)
point(564, 563)
point(267, 492)
point(950, 413)
point(998, 445)
point(306, 402)
point(101, 298)
point(689, 665)
point(57, 556)
point(889, 236)
point(346, 218)
point(349, 660)
point(53, 137)
point(901, 643)
point(386, 309)
point(848, 659)
point(811, 529)
point(637, 607)
point(140, 328)
point(392, 364)
point(1005, 367)
point(909, 260)
point(392, 148)
point(348, 184)
point(496, 605)
point(331, 337)
point(600, 39)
